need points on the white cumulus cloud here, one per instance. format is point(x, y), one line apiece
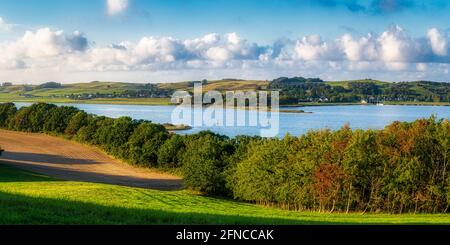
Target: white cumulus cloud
point(312, 48)
point(439, 43)
point(393, 51)
point(209, 51)
point(116, 6)
point(392, 46)
point(41, 44)
point(4, 26)
point(362, 49)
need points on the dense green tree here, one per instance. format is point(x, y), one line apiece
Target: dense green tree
point(32, 118)
point(364, 88)
point(49, 85)
point(362, 162)
point(103, 132)
point(77, 121)
point(7, 112)
point(145, 142)
point(204, 162)
point(59, 118)
point(170, 153)
point(88, 133)
point(113, 135)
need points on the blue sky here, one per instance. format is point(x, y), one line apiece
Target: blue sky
point(170, 40)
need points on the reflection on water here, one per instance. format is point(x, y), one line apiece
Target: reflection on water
point(332, 117)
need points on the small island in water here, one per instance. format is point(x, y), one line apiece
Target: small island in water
point(178, 127)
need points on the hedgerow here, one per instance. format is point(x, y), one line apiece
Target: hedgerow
point(401, 168)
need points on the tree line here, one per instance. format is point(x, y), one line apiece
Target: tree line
point(298, 89)
point(401, 168)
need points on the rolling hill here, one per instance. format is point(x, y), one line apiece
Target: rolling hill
point(293, 91)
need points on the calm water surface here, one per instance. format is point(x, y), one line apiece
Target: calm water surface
point(333, 117)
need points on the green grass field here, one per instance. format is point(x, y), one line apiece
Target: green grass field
point(220, 85)
point(119, 101)
point(28, 93)
point(28, 198)
point(345, 84)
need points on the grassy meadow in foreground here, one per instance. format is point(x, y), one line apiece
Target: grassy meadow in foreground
point(28, 198)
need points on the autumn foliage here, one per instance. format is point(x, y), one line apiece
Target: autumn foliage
point(402, 168)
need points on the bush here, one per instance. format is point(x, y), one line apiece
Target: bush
point(7, 112)
point(270, 174)
point(79, 120)
point(145, 142)
point(102, 131)
point(113, 135)
point(49, 85)
point(58, 119)
point(87, 133)
point(171, 152)
point(204, 164)
point(32, 118)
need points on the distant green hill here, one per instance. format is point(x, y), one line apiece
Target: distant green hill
point(295, 90)
point(345, 84)
point(76, 88)
point(298, 90)
point(94, 92)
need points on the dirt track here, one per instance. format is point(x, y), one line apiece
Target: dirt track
point(68, 160)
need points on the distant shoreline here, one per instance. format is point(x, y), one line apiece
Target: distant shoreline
point(166, 102)
point(385, 103)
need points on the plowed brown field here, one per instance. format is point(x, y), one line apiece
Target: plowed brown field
point(67, 160)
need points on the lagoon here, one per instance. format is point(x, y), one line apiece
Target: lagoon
point(332, 117)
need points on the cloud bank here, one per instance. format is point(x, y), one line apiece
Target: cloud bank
point(393, 51)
